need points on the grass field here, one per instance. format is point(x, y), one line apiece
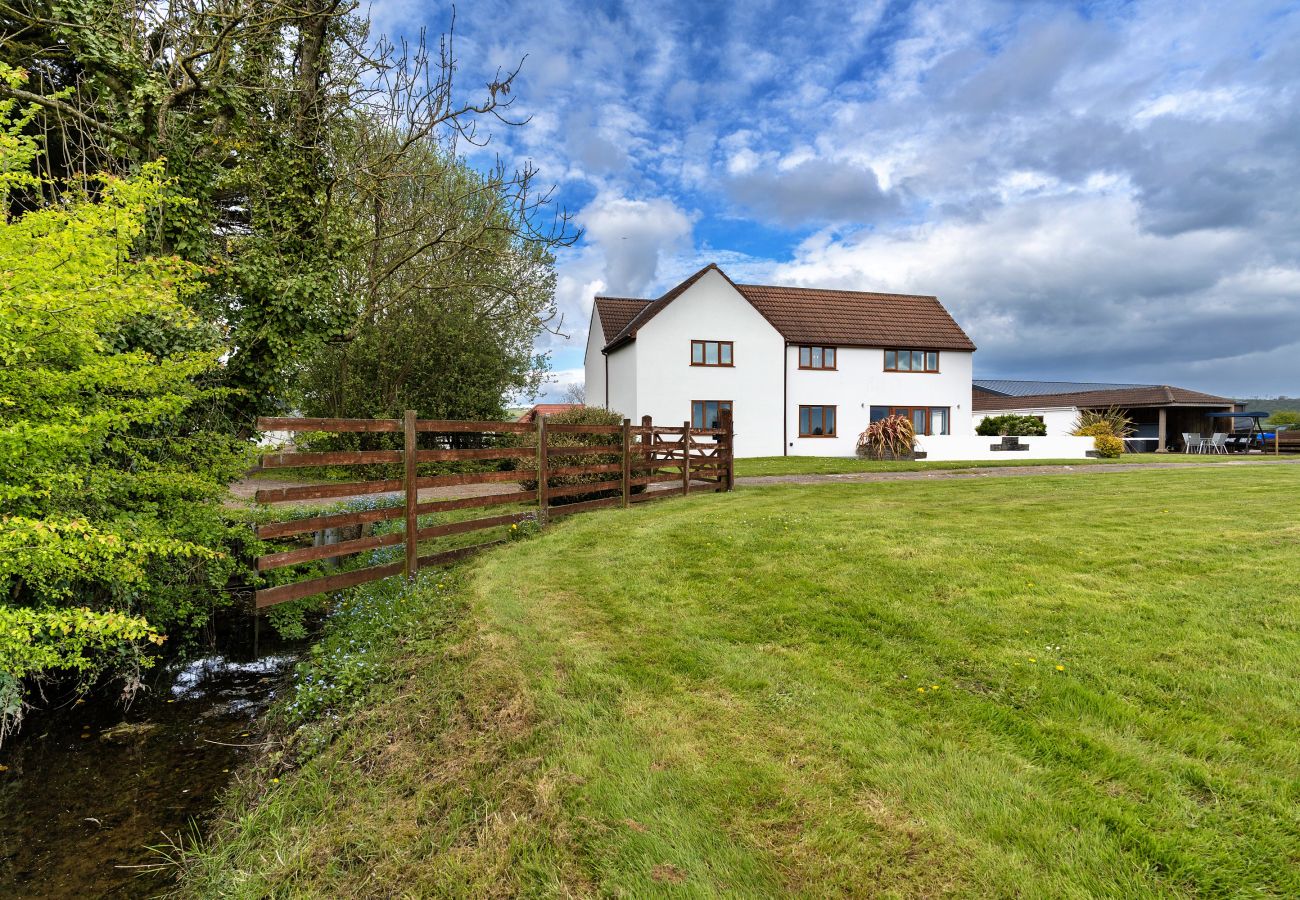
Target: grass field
point(1046, 687)
point(841, 465)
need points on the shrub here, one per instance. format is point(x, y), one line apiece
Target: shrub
point(1112, 421)
point(114, 458)
point(586, 415)
point(1011, 424)
point(1283, 418)
point(890, 438)
point(1108, 446)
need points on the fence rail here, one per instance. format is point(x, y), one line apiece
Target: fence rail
point(632, 464)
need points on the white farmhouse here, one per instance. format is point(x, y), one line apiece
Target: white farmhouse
point(803, 370)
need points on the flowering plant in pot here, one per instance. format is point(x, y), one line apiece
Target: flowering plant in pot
point(889, 438)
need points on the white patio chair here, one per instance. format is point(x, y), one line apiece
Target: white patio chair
point(1219, 442)
point(1192, 442)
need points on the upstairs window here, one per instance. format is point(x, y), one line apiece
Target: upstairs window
point(816, 357)
point(711, 353)
point(911, 361)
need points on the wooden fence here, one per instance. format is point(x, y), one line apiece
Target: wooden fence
point(643, 462)
point(1284, 442)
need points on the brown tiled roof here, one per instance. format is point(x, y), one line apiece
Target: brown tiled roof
point(616, 312)
point(844, 318)
point(1139, 395)
point(547, 409)
point(813, 315)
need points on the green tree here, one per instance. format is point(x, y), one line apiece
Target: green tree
point(1287, 417)
point(450, 289)
point(111, 468)
point(255, 108)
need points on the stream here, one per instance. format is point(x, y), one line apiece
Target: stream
point(86, 789)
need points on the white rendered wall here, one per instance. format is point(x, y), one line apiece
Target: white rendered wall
point(622, 380)
point(1059, 421)
point(594, 363)
point(969, 446)
point(860, 382)
point(712, 310)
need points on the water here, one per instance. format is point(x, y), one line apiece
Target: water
point(90, 787)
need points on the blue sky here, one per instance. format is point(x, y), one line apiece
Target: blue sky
point(1097, 191)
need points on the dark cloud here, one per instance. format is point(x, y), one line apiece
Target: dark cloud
point(813, 191)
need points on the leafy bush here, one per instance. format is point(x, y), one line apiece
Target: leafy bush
point(1284, 418)
point(113, 464)
point(892, 437)
point(1011, 424)
point(1108, 446)
point(1107, 428)
point(586, 415)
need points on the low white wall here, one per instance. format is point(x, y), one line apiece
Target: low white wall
point(971, 446)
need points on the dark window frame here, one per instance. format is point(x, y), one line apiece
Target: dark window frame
point(704, 412)
point(834, 351)
point(929, 416)
point(911, 353)
point(704, 354)
point(835, 420)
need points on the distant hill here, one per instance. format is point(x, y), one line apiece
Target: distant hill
point(1272, 406)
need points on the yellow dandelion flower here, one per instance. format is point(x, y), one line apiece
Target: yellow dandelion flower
point(275, 781)
point(934, 687)
point(1031, 659)
point(920, 690)
point(1060, 668)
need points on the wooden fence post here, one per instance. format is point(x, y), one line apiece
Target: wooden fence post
point(411, 495)
point(648, 444)
point(686, 457)
point(627, 462)
point(543, 464)
point(728, 422)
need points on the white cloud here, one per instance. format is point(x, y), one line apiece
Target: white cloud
point(1111, 190)
point(1073, 281)
point(632, 236)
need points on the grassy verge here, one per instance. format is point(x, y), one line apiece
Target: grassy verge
point(998, 688)
point(843, 465)
point(404, 763)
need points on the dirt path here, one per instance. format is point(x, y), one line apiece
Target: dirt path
point(242, 491)
point(1001, 472)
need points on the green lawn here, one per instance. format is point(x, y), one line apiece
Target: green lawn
point(1046, 687)
point(840, 465)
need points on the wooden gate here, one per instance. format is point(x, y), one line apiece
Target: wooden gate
point(645, 462)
